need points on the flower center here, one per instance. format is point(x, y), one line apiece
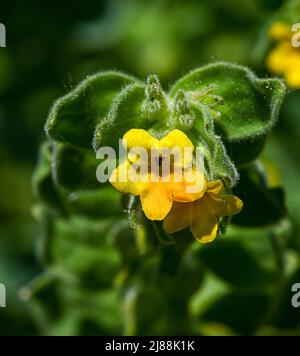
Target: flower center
point(161, 165)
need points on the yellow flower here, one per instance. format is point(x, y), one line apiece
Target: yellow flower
point(158, 191)
point(203, 215)
point(284, 59)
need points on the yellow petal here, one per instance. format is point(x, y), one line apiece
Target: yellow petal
point(192, 187)
point(121, 179)
point(179, 218)
point(205, 223)
point(178, 139)
point(215, 188)
point(226, 206)
point(137, 138)
point(140, 138)
point(157, 201)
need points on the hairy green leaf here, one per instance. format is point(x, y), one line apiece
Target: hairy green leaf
point(74, 169)
point(74, 117)
point(136, 107)
point(262, 205)
point(246, 107)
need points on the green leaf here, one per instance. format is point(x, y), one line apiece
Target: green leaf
point(262, 205)
point(74, 117)
point(197, 122)
point(250, 250)
point(61, 310)
point(74, 169)
point(105, 202)
point(138, 106)
point(80, 250)
point(249, 107)
point(217, 303)
point(126, 240)
point(246, 151)
point(42, 182)
point(252, 309)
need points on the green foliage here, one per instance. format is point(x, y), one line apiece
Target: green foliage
point(227, 112)
point(253, 187)
point(249, 107)
point(103, 269)
point(64, 310)
point(68, 160)
point(43, 185)
point(73, 118)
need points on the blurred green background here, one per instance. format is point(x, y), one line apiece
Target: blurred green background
point(237, 287)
